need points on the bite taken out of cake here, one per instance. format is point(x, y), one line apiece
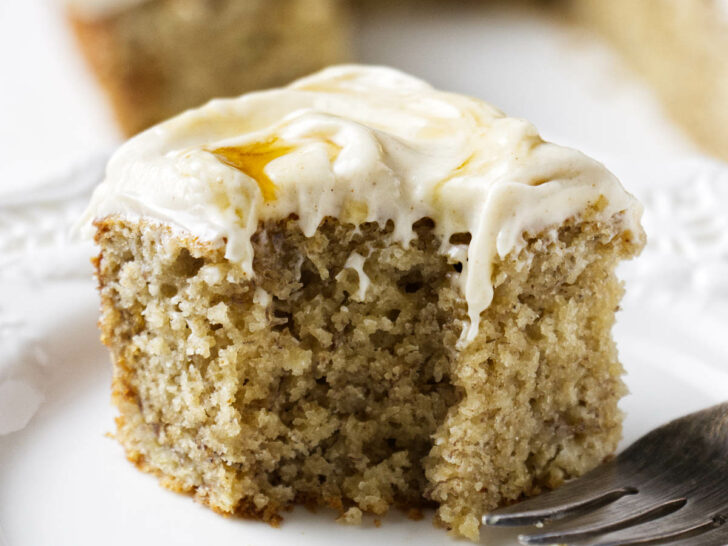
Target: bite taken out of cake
point(361, 292)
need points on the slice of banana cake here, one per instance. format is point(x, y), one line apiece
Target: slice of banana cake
point(361, 292)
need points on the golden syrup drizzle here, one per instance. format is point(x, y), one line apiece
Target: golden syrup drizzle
point(252, 159)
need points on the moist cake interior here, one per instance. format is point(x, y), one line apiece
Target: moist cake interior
point(334, 376)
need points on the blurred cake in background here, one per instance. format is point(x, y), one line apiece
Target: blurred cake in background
point(156, 58)
point(681, 48)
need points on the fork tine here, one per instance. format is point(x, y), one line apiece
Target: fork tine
point(715, 537)
point(693, 530)
point(682, 472)
point(529, 513)
point(605, 526)
point(706, 510)
point(550, 505)
point(696, 519)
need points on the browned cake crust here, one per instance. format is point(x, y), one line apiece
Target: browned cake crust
point(164, 56)
point(313, 382)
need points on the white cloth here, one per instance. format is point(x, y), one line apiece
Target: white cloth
point(38, 255)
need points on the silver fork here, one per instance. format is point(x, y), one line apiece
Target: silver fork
point(670, 486)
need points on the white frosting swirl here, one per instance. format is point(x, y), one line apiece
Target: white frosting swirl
point(366, 139)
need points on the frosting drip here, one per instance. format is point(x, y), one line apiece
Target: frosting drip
point(364, 144)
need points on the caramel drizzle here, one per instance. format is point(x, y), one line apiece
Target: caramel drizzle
point(252, 159)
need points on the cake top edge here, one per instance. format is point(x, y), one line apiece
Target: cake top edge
point(99, 9)
point(362, 144)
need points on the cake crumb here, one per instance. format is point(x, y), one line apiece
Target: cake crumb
point(351, 517)
point(415, 514)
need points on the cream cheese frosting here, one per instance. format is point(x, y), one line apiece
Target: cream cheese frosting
point(364, 144)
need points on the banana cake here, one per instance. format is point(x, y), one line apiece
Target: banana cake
point(679, 48)
point(156, 58)
point(360, 292)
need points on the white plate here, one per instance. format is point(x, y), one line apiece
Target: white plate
point(63, 481)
